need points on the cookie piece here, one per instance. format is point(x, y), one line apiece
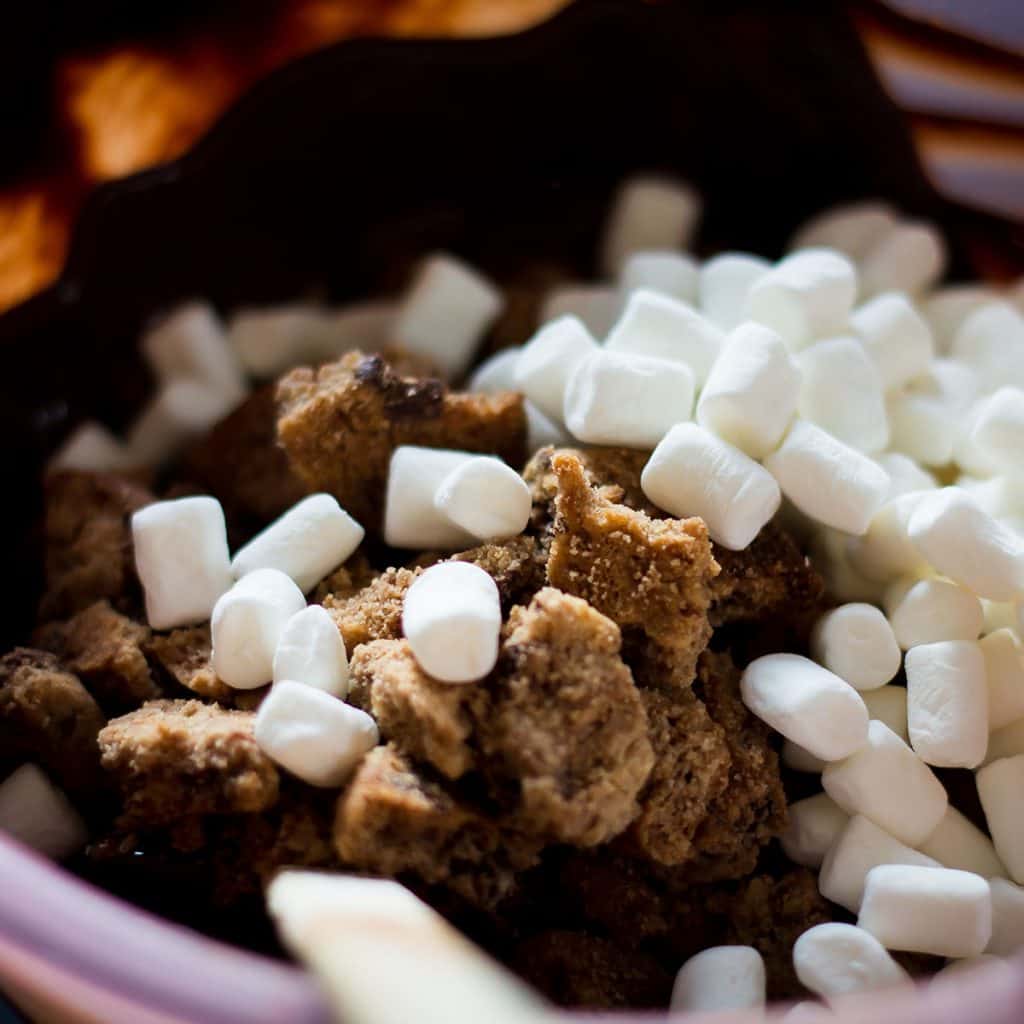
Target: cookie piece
point(185, 655)
point(373, 613)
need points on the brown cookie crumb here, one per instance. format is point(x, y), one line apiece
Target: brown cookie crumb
point(373, 613)
point(173, 758)
point(185, 655)
point(346, 581)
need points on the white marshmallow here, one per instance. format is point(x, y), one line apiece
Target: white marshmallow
point(800, 760)
point(268, 341)
point(927, 910)
point(947, 703)
point(945, 309)
point(828, 551)
point(486, 498)
point(920, 427)
point(181, 557)
point(1007, 918)
point(718, 979)
point(954, 968)
point(807, 1012)
point(953, 384)
point(807, 704)
point(861, 846)
point(622, 398)
point(648, 213)
point(905, 474)
point(967, 455)
point(309, 541)
point(958, 843)
point(313, 735)
point(887, 783)
point(1004, 673)
point(247, 624)
point(751, 394)
point(668, 273)
point(366, 326)
point(1001, 788)
point(885, 550)
point(910, 258)
point(814, 824)
point(311, 651)
point(664, 328)
point(896, 336)
point(597, 305)
point(497, 373)
point(692, 472)
point(181, 410)
point(725, 283)
point(828, 480)
point(932, 610)
point(888, 704)
point(856, 642)
point(998, 615)
point(960, 541)
point(549, 359)
point(410, 518)
point(91, 447)
point(191, 343)
point(835, 960)
point(38, 814)
point(447, 309)
point(852, 228)
point(998, 429)
point(991, 342)
point(451, 618)
point(542, 431)
point(1006, 742)
point(807, 295)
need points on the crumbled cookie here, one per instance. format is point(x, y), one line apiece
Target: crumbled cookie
point(394, 821)
point(175, 758)
point(347, 580)
point(582, 970)
point(88, 542)
point(373, 613)
point(105, 650)
point(651, 576)
point(340, 423)
point(185, 655)
point(517, 567)
point(48, 716)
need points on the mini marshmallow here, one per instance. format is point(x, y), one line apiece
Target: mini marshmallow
point(968, 456)
point(967, 964)
point(181, 557)
point(271, 340)
point(927, 910)
point(718, 979)
point(852, 228)
point(693, 473)
point(861, 846)
point(828, 480)
point(807, 704)
point(947, 703)
point(667, 273)
point(800, 760)
point(542, 431)
point(452, 618)
point(960, 541)
point(933, 610)
point(841, 391)
point(648, 213)
point(953, 384)
point(549, 359)
point(998, 615)
point(93, 448)
point(920, 427)
point(363, 325)
point(1004, 673)
point(247, 624)
point(828, 550)
point(311, 651)
point(910, 258)
point(663, 328)
point(905, 474)
point(945, 309)
point(597, 305)
point(1007, 918)
point(958, 843)
point(835, 960)
point(991, 342)
point(486, 498)
point(885, 550)
point(806, 1012)
point(410, 518)
point(814, 824)
point(725, 283)
point(807, 295)
point(447, 309)
point(1001, 788)
point(309, 541)
point(181, 410)
point(497, 373)
point(896, 336)
point(1006, 742)
point(887, 783)
point(998, 429)
point(622, 398)
point(856, 642)
point(751, 394)
point(313, 735)
point(191, 343)
point(38, 814)
point(888, 704)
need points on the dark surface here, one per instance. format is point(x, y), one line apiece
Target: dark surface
point(336, 171)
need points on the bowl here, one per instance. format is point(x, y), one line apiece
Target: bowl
point(329, 178)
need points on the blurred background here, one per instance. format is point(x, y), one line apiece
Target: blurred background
point(93, 91)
